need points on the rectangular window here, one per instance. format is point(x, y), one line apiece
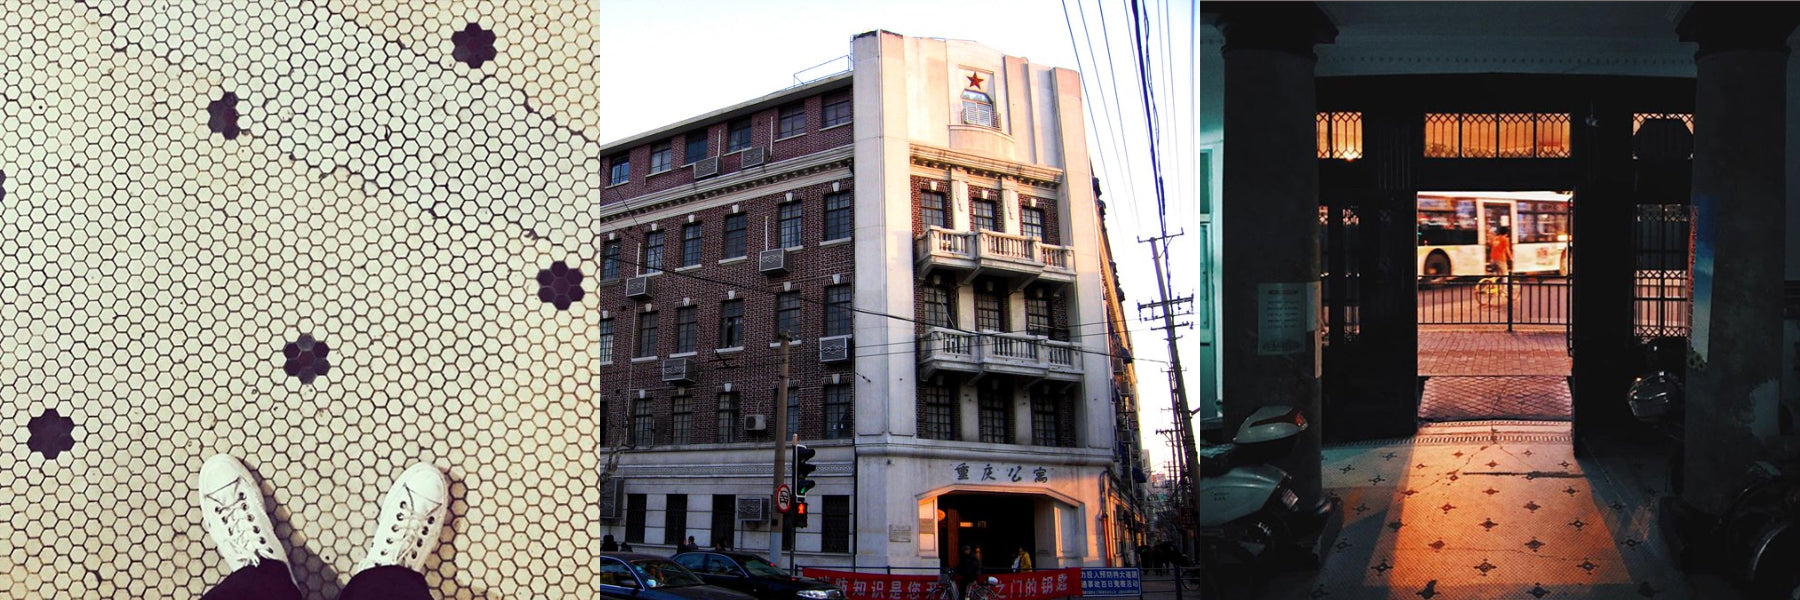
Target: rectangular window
point(606, 341)
point(1045, 422)
point(738, 137)
point(646, 340)
point(727, 423)
point(696, 147)
point(690, 244)
point(605, 422)
point(793, 402)
point(724, 521)
point(838, 221)
point(982, 216)
point(687, 326)
point(681, 419)
point(643, 423)
point(621, 170)
point(938, 418)
point(835, 528)
point(1031, 223)
point(839, 423)
point(662, 158)
point(653, 253)
point(792, 123)
point(990, 312)
point(634, 517)
point(1037, 316)
point(837, 110)
point(787, 314)
point(609, 261)
point(675, 519)
point(994, 415)
point(936, 301)
point(789, 222)
point(734, 235)
point(931, 210)
point(731, 324)
point(837, 310)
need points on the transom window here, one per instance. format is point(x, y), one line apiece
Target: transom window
point(1339, 134)
point(1496, 135)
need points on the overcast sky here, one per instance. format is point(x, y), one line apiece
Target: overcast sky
point(665, 61)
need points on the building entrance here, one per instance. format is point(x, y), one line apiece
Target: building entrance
point(996, 525)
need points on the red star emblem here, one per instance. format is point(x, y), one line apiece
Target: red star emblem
point(975, 80)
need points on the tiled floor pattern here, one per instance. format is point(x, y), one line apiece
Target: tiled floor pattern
point(310, 234)
point(1497, 509)
point(1463, 398)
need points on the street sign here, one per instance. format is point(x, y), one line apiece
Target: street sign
point(784, 498)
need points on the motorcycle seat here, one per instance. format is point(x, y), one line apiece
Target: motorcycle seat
point(1216, 460)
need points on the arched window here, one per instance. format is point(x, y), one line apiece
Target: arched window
point(978, 108)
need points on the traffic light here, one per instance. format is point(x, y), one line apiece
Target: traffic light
point(802, 467)
point(800, 515)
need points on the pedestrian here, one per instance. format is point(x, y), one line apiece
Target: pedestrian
point(232, 513)
point(1022, 562)
point(968, 570)
point(608, 544)
point(1500, 253)
point(690, 546)
point(624, 546)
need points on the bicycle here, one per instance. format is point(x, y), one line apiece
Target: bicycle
point(945, 588)
point(1491, 290)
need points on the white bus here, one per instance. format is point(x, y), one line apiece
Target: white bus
point(1454, 228)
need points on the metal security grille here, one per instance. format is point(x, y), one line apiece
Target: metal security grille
point(1496, 135)
point(1341, 252)
point(1661, 248)
point(1508, 300)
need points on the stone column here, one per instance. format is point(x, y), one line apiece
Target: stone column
point(1269, 217)
point(1733, 386)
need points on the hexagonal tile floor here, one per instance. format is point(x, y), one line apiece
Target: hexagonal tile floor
point(309, 234)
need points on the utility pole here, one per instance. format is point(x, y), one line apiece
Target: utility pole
point(1166, 309)
point(777, 522)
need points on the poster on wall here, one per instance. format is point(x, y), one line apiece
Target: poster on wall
point(1700, 234)
point(1286, 314)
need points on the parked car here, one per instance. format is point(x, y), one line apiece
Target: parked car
point(753, 575)
point(633, 576)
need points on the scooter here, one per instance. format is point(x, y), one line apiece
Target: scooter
point(1756, 541)
point(1248, 508)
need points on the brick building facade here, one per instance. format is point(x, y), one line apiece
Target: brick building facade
point(924, 230)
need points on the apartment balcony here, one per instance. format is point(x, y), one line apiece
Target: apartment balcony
point(991, 253)
point(1027, 356)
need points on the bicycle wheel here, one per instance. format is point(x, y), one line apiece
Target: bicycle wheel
point(1488, 292)
point(982, 593)
point(938, 592)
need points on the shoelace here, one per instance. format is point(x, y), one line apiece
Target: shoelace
point(407, 537)
point(242, 537)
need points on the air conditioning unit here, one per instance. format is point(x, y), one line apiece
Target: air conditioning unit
point(637, 287)
point(754, 156)
point(756, 422)
point(834, 349)
point(612, 491)
point(753, 509)
point(706, 167)
point(772, 262)
point(678, 370)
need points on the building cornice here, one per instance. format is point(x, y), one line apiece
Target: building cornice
point(748, 179)
point(945, 158)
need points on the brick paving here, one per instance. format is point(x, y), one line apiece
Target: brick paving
point(1475, 374)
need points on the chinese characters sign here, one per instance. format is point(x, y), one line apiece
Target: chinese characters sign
point(1035, 585)
point(1002, 473)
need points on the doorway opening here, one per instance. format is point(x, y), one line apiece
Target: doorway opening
point(1495, 283)
point(997, 526)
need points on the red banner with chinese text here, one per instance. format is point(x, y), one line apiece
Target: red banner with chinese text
point(1034, 585)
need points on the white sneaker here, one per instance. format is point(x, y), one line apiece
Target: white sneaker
point(233, 514)
point(412, 516)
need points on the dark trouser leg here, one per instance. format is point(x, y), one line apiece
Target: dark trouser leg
point(387, 583)
point(268, 580)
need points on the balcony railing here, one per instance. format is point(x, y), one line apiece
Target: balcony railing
point(1009, 353)
point(992, 250)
